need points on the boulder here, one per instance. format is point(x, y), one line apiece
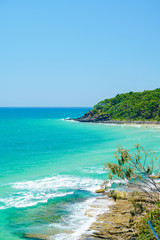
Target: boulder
point(116, 194)
point(100, 191)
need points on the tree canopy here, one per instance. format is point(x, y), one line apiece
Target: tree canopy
point(132, 106)
point(136, 169)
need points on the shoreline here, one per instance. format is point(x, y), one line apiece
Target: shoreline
point(109, 225)
point(95, 207)
point(116, 122)
point(117, 223)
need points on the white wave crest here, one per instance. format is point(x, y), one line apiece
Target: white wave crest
point(58, 182)
point(93, 170)
point(30, 193)
point(83, 215)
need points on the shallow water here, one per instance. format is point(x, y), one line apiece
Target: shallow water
point(50, 168)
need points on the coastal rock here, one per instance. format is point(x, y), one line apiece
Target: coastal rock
point(116, 223)
point(119, 223)
point(90, 117)
point(100, 191)
point(116, 194)
point(155, 176)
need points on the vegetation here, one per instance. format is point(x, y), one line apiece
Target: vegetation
point(132, 106)
point(135, 170)
point(144, 229)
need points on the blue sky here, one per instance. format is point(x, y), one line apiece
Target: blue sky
point(76, 53)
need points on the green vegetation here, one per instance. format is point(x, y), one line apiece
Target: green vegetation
point(135, 169)
point(132, 106)
point(144, 229)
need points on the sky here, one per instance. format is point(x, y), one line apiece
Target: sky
point(67, 53)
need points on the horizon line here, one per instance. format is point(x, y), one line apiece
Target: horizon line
point(42, 107)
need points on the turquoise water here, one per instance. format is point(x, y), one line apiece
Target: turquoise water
point(50, 168)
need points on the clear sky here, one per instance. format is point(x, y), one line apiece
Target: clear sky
point(77, 52)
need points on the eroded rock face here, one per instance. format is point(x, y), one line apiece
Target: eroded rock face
point(120, 223)
point(116, 223)
point(106, 118)
point(91, 117)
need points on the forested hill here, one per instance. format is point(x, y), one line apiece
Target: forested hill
point(132, 106)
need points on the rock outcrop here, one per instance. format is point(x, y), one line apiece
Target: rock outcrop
point(120, 223)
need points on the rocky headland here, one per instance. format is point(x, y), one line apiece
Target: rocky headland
point(92, 118)
point(129, 108)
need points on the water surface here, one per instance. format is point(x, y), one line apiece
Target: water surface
point(50, 168)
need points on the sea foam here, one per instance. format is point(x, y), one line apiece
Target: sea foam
point(82, 217)
point(30, 193)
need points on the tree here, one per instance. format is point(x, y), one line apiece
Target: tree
point(132, 106)
point(135, 169)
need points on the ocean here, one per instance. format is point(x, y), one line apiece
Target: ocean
point(50, 169)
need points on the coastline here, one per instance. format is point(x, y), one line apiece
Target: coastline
point(116, 122)
point(109, 225)
point(95, 207)
point(117, 223)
